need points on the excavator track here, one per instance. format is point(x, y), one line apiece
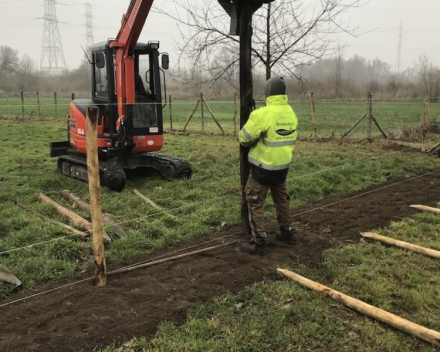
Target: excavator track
point(112, 172)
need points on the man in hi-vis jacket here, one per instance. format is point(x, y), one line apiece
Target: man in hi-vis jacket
point(271, 133)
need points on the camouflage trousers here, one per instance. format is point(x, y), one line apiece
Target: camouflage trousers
point(256, 194)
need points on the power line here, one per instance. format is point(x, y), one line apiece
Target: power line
point(399, 48)
point(52, 54)
point(89, 25)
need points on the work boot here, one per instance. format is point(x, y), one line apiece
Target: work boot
point(286, 236)
point(254, 248)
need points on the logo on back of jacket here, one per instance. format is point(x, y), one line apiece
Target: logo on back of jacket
point(285, 127)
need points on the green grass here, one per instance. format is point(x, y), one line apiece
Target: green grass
point(204, 203)
point(284, 316)
point(333, 117)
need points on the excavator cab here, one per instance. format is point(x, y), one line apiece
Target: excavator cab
point(124, 142)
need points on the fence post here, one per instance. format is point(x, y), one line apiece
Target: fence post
point(38, 103)
point(73, 96)
point(22, 104)
point(202, 112)
point(425, 123)
point(9, 107)
point(235, 114)
point(369, 115)
point(314, 123)
point(95, 196)
point(171, 113)
point(56, 104)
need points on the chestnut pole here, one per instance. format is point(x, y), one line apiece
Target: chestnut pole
point(395, 321)
point(401, 244)
point(95, 196)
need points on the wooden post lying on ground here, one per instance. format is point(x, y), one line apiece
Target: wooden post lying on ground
point(149, 201)
point(401, 244)
point(95, 196)
point(425, 123)
point(425, 208)
point(146, 199)
point(202, 112)
point(55, 104)
point(314, 123)
point(38, 103)
point(75, 218)
point(77, 202)
point(395, 321)
point(235, 114)
point(9, 106)
point(22, 104)
point(157, 262)
point(80, 234)
point(171, 113)
point(190, 116)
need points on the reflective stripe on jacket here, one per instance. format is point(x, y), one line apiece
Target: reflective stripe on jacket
point(271, 132)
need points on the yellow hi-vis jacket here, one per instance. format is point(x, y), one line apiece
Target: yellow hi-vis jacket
point(271, 133)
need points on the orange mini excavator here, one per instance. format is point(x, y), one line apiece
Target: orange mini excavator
point(130, 130)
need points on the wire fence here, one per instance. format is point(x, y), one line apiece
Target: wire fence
point(204, 243)
point(205, 202)
point(332, 117)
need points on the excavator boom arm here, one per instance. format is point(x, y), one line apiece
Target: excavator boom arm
point(124, 45)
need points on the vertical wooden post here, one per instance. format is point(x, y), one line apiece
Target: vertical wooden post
point(95, 196)
point(38, 103)
point(171, 112)
point(73, 96)
point(56, 104)
point(246, 100)
point(314, 124)
point(202, 112)
point(369, 116)
point(425, 123)
point(22, 104)
point(235, 114)
point(9, 106)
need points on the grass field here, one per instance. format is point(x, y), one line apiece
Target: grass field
point(283, 316)
point(333, 117)
point(206, 202)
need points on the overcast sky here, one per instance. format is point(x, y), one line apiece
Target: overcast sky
point(380, 19)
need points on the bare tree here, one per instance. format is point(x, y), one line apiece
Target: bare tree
point(430, 77)
point(288, 35)
point(8, 60)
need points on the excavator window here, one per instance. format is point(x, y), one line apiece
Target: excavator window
point(101, 83)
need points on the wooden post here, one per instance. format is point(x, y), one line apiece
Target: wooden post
point(369, 116)
point(235, 114)
point(395, 321)
point(38, 103)
point(425, 123)
point(171, 113)
point(202, 112)
point(215, 120)
point(56, 104)
point(401, 244)
point(95, 196)
point(425, 208)
point(73, 96)
point(9, 107)
point(246, 100)
point(314, 124)
point(191, 115)
point(22, 104)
